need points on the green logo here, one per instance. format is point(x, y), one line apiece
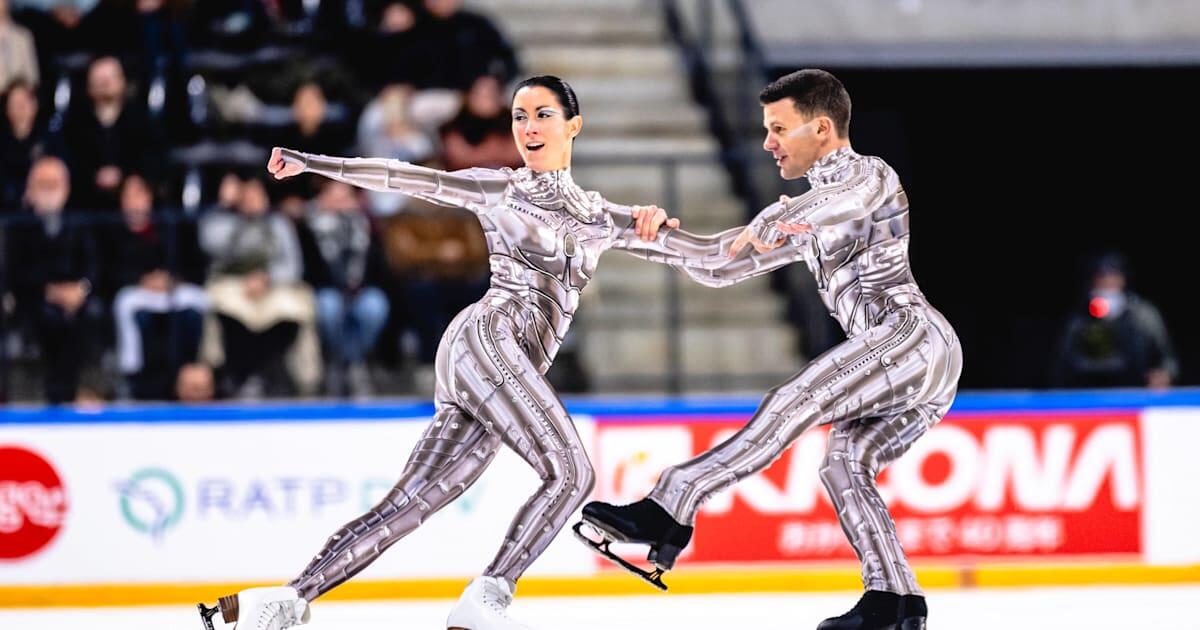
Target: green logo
point(151, 501)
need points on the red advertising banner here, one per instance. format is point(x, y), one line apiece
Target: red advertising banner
point(995, 484)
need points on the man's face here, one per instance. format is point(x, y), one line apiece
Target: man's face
point(194, 384)
point(1109, 281)
point(106, 80)
point(254, 201)
point(48, 187)
point(792, 139)
point(442, 9)
point(308, 106)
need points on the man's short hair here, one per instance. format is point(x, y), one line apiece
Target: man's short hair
point(816, 93)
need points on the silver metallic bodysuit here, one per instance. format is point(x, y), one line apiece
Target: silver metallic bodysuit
point(893, 378)
point(544, 236)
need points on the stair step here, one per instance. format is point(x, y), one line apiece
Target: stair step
point(572, 60)
point(634, 119)
point(617, 28)
point(502, 9)
point(648, 92)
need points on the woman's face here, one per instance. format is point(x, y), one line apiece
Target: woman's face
point(136, 201)
point(484, 98)
point(541, 129)
point(21, 108)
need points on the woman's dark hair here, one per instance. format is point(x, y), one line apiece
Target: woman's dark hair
point(566, 96)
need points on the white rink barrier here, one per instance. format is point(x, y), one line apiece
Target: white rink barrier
point(187, 496)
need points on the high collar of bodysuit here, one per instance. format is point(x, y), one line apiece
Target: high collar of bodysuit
point(557, 190)
point(825, 169)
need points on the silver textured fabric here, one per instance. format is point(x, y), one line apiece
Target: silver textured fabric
point(544, 236)
point(894, 377)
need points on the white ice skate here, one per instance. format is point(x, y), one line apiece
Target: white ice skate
point(483, 607)
point(268, 608)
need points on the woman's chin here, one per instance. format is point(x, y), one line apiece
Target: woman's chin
point(537, 162)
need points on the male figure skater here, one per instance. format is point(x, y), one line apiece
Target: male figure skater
point(880, 390)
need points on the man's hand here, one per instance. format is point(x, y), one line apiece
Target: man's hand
point(281, 169)
point(648, 219)
point(747, 237)
point(794, 228)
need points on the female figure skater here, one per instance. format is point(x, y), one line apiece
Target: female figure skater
point(545, 235)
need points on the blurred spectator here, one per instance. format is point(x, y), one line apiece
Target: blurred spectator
point(394, 36)
point(467, 45)
point(23, 139)
point(55, 23)
point(311, 129)
point(18, 55)
point(195, 384)
point(441, 258)
point(58, 264)
point(109, 136)
point(263, 310)
point(159, 318)
point(1121, 341)
point(229, 24)
point(481, 134)
point(387, 130)
point(152, 32)
point(351, 308)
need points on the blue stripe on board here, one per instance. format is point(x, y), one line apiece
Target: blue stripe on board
point(599, 407)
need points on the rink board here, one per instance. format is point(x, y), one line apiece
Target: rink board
point(142, 504)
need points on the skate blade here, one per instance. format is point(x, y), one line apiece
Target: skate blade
point(653, 577)
point(206, 615)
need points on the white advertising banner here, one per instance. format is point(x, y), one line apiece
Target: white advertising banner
point(223, 501)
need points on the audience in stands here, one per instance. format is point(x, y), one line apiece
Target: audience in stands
point(108, 136)
point(54, 265)
point(481, 133)
point(18, 55)
point(241, 295)
point(23, 139)
point(349, 271)
point(264, 314)
point(158, 313)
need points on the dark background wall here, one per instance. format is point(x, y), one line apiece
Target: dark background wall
point(1017, 178)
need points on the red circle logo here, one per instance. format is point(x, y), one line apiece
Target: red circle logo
point(33, 503)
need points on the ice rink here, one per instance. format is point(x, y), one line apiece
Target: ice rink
point(1094, 608)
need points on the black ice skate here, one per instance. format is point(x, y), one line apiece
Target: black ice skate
point(913, 613)
point(644, 522)
point(876, 610)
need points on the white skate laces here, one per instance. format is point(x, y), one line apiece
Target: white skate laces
point(271, 608)
point(496, 596)
point(484, 606)
point(280, 615)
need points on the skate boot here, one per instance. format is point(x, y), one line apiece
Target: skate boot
point(877, 610)
point(483, 606)
point(913, 613)
point(644, 522)
point(268, 608)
